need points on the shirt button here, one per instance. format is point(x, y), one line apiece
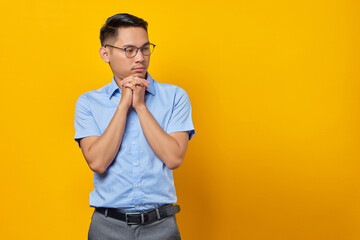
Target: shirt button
point(133, 143)
point(135, 164)
point(132, 122)
point(136, 185)
point(137, 206)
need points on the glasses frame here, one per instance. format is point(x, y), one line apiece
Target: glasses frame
point(137, 49)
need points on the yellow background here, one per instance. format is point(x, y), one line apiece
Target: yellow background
point(275, 92)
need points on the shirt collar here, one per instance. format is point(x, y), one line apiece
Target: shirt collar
point(114, 87)
point(151, 87)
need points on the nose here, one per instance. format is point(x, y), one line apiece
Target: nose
point(139, 57)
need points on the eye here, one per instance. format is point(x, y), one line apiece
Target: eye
point(130, 50)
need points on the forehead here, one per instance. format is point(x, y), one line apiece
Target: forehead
point(136, 36)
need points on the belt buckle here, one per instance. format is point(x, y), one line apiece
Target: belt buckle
point(131, 214)
point(141, 215)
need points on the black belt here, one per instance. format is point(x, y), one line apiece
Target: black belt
point(146, 217)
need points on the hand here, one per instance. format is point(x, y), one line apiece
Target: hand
point(126, 97)
point(132, 78)
point(127, 93)
point(137, 85)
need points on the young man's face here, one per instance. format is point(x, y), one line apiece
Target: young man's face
point(123, 66)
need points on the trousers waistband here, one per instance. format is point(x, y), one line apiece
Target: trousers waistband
point(140, 218)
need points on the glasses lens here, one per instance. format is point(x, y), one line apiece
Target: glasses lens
point(131, 51)
point(147, 49)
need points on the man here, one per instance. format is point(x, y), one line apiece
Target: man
point(133, 132)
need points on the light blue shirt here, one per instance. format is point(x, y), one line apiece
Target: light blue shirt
point(137, 179)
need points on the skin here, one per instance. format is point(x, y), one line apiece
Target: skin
point(100, 151)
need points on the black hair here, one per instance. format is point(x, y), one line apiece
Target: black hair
point(109, 30)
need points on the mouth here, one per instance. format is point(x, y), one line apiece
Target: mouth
point(139, 69)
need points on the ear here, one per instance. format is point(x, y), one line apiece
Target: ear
point(104, 54)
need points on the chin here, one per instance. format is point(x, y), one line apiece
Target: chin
point(141, 75)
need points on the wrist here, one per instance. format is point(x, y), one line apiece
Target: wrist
point(124, 106)
point(140, 108)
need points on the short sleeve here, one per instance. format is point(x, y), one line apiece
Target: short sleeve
point(85, 124)
point(181, 119)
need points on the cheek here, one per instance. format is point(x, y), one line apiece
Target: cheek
point(147, 61)
point(121, 64)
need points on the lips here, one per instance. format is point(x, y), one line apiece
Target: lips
point(139, 67)
point(139, 70)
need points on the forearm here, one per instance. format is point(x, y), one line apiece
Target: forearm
point(164, 146)
point(101, 153)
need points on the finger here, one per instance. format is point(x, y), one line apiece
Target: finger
point(142, 79)
point(138, 81)
point(141, 83)
point(130, 85)
point(126, 80)
point(131, 78)
point(145, 82)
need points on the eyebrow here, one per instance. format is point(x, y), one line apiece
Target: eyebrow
point(130, 45)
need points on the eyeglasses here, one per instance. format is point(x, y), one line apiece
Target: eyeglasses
point(131, 51)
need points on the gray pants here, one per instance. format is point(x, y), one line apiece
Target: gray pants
point(107, 228)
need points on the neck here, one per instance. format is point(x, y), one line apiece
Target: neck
point(117, 80)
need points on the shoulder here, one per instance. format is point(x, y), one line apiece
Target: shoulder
point(89, 96)
point(171, 90)
point(166, 86)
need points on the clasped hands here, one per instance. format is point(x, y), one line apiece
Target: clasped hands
point(133, 91)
